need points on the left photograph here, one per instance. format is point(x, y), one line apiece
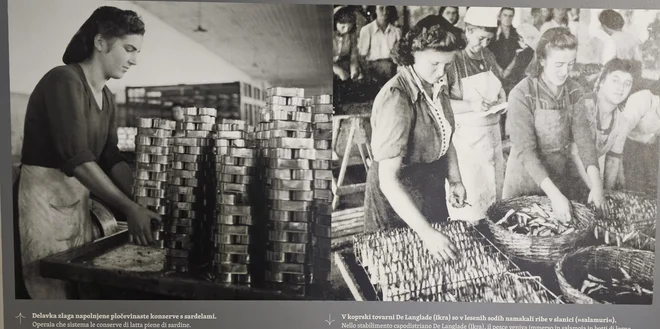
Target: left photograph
point(171, 150)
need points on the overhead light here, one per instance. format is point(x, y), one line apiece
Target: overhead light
point(199, 20)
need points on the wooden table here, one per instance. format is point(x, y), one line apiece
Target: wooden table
point(139, 275)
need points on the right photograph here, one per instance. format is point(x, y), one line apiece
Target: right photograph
point(496, 154)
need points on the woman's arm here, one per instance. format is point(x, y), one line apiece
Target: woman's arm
point(67, 115)
point(111, 160)
point(398, 197)
point(457, 194)
point(586, 146)
point(405, 207)
point(611, 171)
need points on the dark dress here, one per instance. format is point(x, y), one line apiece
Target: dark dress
point(64, 126)
point(403, 125)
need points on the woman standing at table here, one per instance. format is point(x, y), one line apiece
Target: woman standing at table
point(543, 123)
point(412, 126)
point(607, 124)
point(475, 87)
point(70, 148)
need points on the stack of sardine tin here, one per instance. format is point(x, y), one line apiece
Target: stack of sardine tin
point(322, 111)
point(402, 269)
point(287, 147)
point(153, 154)
point(234, 225)
point(191, 180)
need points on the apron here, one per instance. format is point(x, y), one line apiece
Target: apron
point(553, 135)
point(53, 216)
point(478, 143)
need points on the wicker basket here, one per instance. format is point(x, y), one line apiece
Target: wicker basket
point(628, 214)
point(604, 262)
point(541, 250)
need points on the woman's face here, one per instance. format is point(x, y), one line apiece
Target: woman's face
point(120, 54)
point(558, 64)
point(616, 86)
point(559, 13)
point(431, 65)
point(451, 14)
point(344, 28)
point(477, 39)
point(546, 13)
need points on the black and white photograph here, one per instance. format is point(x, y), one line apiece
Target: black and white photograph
point(171, 150)
point(496, 154)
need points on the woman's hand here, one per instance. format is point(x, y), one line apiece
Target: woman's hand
point(140, 225)
point(438, 244)
point(355, 74)
point(457, 195)
point(342, 74)
point(561, 207)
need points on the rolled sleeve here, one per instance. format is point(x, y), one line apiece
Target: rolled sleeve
point(583, 138)
point(523, 134)
point(110, 155)
point(66, 114)
point(364, 41)
point(391, 121)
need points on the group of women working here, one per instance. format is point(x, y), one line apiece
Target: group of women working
point(437, 146)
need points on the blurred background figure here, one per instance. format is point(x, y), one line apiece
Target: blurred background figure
point(450, 14)
point(531, 30)
point(376, 41)
point(345, 57)
point(618, 44)
point(177, 112)
point(574, 20)
point(559, 19)
point(640, 154)
point(510, 49)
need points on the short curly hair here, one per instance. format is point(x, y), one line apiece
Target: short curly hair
point(431, 32)
point(611, 19)
point(109, 22)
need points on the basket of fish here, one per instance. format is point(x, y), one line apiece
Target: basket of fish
point(525, 228)
point(607, 275)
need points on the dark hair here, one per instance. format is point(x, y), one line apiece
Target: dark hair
point(617, 64)
point(563, 20)
point(510, 8)
point(442, 12)
point(611, 19)
point(556, 38)
point(345, 15)
point(431, 32)
point(392, 14)
point(109, 22)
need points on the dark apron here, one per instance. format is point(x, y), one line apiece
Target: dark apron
point(554, 138)
point(425, 182)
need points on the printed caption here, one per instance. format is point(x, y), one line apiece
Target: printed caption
point(115, 320)
point(449, 321)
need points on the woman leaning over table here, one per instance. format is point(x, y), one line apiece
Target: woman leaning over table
point(640, 156)
point(474, 88)
point(607, 124)
point(412, 126)
point(543, 124)
point(70, 148)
